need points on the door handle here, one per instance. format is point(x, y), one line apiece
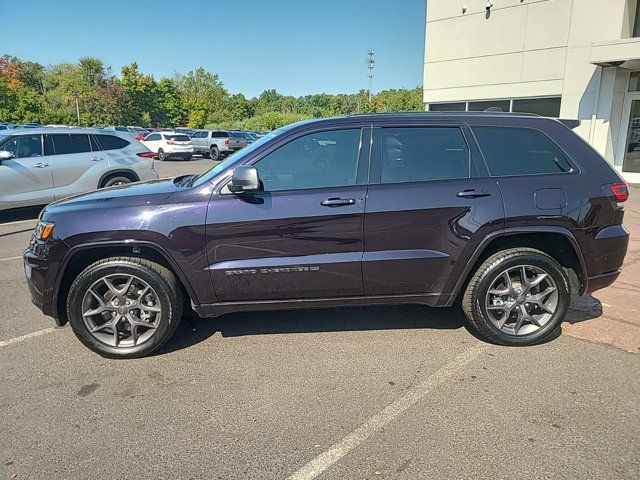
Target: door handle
point(96, 159)
point(473, 193)
point(337, 202)
point(41, 165)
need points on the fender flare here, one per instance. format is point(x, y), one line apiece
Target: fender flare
point(73, 251)
point(510, 231)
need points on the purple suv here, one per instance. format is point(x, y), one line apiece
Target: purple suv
point(507, 214)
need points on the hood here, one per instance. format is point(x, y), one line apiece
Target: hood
point(123, 195)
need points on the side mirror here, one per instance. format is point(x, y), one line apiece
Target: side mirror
point(244, 179)
point(5, 155)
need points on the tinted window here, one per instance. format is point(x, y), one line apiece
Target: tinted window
point(65, 144)
point(520, 151)
point(111, 142)
point(448, 107)
point(318, 160)
point(177, 138)
point(547, 107)
point(483, 105)
point(198, 135)
point(153, 137)
point(24, 146)
point(220, 134)
point(416, 154)
point(122, 129)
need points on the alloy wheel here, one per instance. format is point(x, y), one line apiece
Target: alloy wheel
point(121, 310)
point(521, 300)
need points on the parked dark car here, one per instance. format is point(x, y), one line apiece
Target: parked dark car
point(508, 214)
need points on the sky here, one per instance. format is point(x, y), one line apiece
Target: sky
point(297, 47)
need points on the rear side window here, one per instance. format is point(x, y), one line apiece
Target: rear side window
point(111, 142)
point(64, 144)
point(418, 154)
point(520, 151)
point(220, 134)
point(153, 137)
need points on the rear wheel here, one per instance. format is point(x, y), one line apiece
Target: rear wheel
point(117, 180)
point(124, 307)
point(517, 297)
point(214, 153)
point(161, 155)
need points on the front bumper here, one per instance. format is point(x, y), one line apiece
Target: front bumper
point(40, 268)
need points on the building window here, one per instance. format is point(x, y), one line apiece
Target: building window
point(448, 107)
point(636, 23)
point(547, 107)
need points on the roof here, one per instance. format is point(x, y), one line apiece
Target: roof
point(39, 130)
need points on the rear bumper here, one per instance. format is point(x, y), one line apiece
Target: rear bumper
point(601, 281)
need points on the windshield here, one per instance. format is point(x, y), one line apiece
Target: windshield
point(239, 155)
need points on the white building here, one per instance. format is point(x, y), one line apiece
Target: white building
point(568, 58)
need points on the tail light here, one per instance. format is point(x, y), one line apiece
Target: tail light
point(620, 191)
point(226, 142)
point(139, 137)
point(170, 142)
point(146, 154)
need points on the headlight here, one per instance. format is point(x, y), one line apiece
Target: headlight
point(43, 230)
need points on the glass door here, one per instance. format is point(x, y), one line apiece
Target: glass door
point(631, 159)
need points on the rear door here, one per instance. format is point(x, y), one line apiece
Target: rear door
point(74, 159)
point(429, 206)
point(301, 237)
point(25, 179)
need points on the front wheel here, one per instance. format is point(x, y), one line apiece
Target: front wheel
point(124, 307)
point(161, 155)
point(517, 297)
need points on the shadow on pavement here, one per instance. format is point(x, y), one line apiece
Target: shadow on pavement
point(194, 330)
point(20, 214)
point(583, 308)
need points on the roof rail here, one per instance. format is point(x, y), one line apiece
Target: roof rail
point(481, 113)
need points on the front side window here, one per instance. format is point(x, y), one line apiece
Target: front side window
point(64, 144)
point(318, 160)
point(24, 146)
point(418, 154)
point(520, 151)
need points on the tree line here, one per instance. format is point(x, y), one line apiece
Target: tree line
point(59, 93)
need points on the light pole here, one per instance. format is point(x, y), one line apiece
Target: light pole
point(371, 61)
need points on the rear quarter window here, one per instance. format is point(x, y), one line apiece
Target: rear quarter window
point(511, 151)
point(111, 142)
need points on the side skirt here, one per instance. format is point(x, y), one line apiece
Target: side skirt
point(217, 309)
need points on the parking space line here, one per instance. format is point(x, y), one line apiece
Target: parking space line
point(31, 220)
point(323, 461)
point(11, 341)
point(10, 258)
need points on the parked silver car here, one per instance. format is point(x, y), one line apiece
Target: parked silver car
point(38, 166)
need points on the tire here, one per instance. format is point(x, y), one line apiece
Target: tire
point(164, 296)
point(486, 311)
point(161, 155)
point(117, 180)
point(204, 154)
point(187, 157)
point(214, 153)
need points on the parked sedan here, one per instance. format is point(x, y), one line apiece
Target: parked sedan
point(38, 166)
point(168, 145)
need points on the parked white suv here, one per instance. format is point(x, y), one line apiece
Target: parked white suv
point(40, 165)
point(169, 145)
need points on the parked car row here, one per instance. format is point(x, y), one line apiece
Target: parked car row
point(40, 165)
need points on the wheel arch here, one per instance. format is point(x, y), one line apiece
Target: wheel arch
point(112, 173)
point(81, 256)
point(557, 242)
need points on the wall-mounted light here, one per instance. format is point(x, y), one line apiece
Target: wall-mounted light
point(488, 5)
point(464, 9)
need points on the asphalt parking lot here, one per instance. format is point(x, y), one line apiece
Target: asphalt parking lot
point(388, 392)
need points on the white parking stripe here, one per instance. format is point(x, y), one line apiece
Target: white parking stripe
point(32, 220)
point(323, 461)
point(11, 341)
point(10, 258)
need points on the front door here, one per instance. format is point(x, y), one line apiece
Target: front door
point(631, 153)
point(301, 236)
point(427, 208)
point(25, 179)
